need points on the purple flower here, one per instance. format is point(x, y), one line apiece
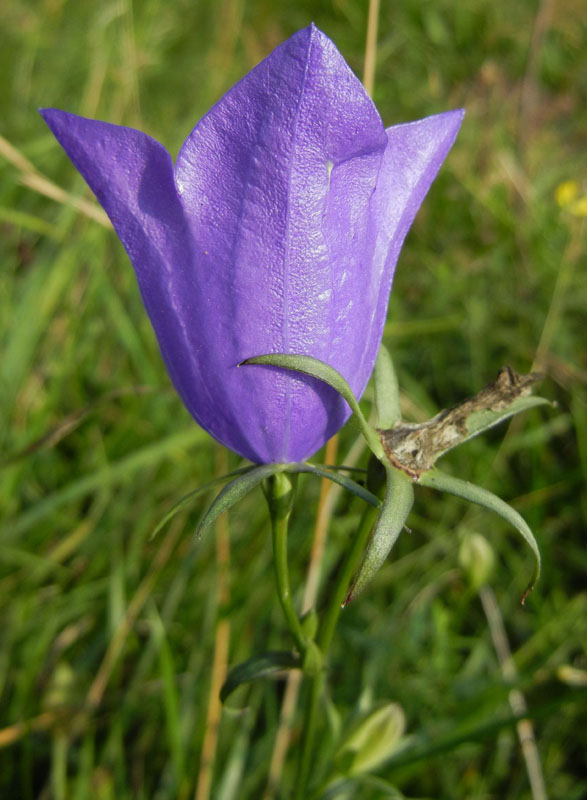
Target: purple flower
point(277, 231)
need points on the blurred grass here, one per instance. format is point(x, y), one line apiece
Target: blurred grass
point(492, 273)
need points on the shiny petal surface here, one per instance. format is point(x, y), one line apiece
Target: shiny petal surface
point(276, 181)
point(277, 231)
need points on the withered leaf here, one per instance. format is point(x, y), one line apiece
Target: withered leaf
point(415, 447)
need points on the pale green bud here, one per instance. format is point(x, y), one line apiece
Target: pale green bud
point(372, 740)
point(476, 558)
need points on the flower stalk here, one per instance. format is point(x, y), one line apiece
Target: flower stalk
point(280, 492)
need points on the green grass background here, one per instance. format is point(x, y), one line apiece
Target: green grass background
point(492, 273)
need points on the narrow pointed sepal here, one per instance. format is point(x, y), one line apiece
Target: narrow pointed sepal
point(394, 512)
point(237, 489)
point(435, 479)
point(308, 365)
point(342, 480)
point(194, 494)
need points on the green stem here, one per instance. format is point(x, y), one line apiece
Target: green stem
point(347, 572)
point(280, 491)
point(325, 634)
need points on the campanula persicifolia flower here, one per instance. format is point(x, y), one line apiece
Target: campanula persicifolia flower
point(276, 231)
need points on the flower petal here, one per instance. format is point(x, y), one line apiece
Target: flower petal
point(277, 181)
point(414, 154)
point(132, 176)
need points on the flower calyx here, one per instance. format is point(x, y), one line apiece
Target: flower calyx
point(408, 452)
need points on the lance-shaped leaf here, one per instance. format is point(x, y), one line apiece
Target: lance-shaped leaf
point(236, 490)
point(415, 447)
point(436, 479)
point(262, 666)
point(397, 504)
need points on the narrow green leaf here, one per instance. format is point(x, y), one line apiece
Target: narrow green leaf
point(396, 506)
point(171, 700)
point(28, 221)
point(236, 490)
point(113, 474)
point(323, 372)
point(190, 496)
point(386, 390)
point(342, 480)
point(56, 433)
point(481, 421)
point(261, 666)
point(436, 479)
point(344, 468)
point(236, 763)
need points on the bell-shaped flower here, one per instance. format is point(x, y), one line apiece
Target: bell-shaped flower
point(276, 231)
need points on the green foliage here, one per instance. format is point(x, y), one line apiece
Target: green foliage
point(106, 636)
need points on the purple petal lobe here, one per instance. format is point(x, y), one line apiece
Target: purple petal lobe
point(414, 154)
point(276, 181)
point(132, 176)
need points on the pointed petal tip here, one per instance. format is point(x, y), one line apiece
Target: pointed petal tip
point(313, 35)
point(446, 121)
point(455, 117)
point(60, 124)
point(55, 117)
point(47, 113)
point(314, 30)
point(441, 124)
point(452, 121)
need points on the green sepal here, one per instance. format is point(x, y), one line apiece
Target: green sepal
point(396, 506)
point(387, 403)
point(261, 666)
point(323, 372)
point(342, 480)
point(435, 479)
point(236, 490)
point(187, 498)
